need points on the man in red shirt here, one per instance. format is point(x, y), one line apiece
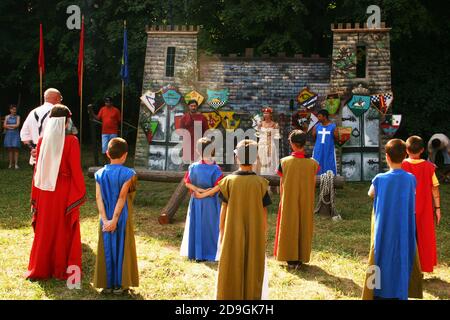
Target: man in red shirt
point(189, 121)
point(110, 118)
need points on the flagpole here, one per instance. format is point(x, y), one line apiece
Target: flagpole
point(81, 104)
point(123, 88)
point(40, 84)
point(121, 111)
point(81, 71)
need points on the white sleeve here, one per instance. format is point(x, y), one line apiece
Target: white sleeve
point(25, 132)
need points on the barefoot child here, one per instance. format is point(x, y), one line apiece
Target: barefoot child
point(427, 190)
point(243, 226)
point(296, 211)
point(394, 267)
point(201, 233)
point(116, 264)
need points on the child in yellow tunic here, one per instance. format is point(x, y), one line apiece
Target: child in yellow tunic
point(296, 211)
point(243, 226)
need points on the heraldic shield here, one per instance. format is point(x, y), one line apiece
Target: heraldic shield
point(171, 96)
point(228, 120)
point(332, 103)
point(391, 124)
point(382, 101)
point(344, 134)
point(152, 100)
point(359, 104)
point(213, 119)
point(194, 95)
point(217, 98)
point(306, 98)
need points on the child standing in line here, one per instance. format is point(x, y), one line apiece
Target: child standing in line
point(394, 267)
point(296, 211)
point(116, 267)
point(243, 226)
point(201, 232)
point(427, 190)
point(12, 136)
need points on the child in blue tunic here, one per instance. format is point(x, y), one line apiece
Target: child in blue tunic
point(394, 267)
point(201, 232)
point(12, 136)
point(116, 264)
point(325, 134)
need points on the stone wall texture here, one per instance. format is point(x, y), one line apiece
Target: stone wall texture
point(254, 82)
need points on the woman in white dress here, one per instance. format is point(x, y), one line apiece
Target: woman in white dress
point(268, 144)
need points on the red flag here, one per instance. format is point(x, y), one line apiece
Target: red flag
point(41, 51)
point(81, 59)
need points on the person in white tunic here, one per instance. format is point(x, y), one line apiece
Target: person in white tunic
point(34, 124)
point(269, 136)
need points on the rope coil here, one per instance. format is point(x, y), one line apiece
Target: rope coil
point(327, 189)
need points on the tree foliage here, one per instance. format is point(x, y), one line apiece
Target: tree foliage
point(420, 40)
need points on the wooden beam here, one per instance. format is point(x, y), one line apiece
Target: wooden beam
point(178, 196)
point(177, 176)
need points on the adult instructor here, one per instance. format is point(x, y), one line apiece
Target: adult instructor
point(35, 123)
point(192, 121)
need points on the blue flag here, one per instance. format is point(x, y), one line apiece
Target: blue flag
point(124, 67)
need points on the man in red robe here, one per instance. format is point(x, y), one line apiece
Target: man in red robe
point(190, 121)
point(58, 191)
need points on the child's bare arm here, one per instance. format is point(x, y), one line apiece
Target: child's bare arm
point(437, 202)
point(100, 204)
point(207, 193)
point(120, 203)
point(223, 214)
point(265, 220)
point(193, 188)
point(371, 192)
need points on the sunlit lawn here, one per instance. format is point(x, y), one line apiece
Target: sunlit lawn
point(336, 270)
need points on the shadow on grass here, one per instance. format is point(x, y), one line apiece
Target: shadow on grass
point(437, 287)
point(314, 273)
point(58, 290)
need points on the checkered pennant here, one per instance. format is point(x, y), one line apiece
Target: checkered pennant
point(375, 99)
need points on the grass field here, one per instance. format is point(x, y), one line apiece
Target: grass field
point(336, 270)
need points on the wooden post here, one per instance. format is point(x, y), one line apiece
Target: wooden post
point(93, 134)
point(173, 204)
